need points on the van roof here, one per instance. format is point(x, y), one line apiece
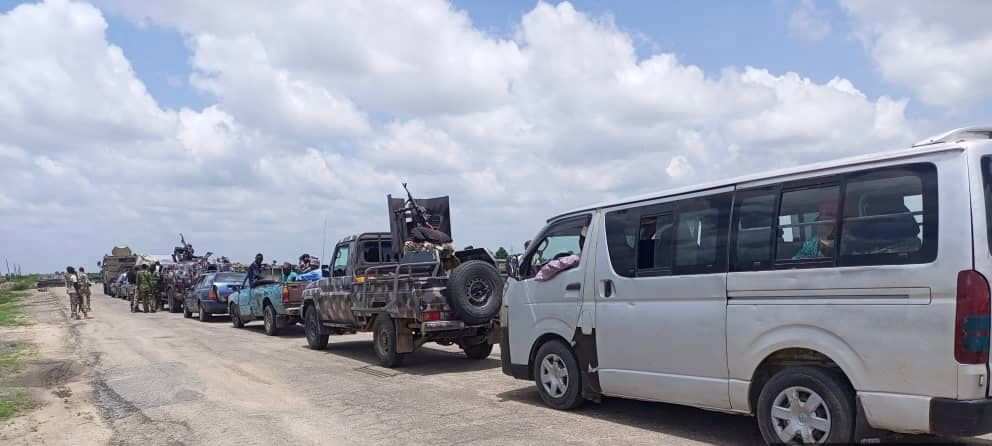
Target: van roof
point(949, 141)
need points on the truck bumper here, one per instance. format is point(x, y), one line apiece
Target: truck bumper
point(960, 418)
point(294, 311)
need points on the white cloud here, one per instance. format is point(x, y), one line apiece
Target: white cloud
point(942, 50)
point(321, 112)
point(808, 22)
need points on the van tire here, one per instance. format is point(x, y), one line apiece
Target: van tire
point(837, 401)
point(384, 342)
point(476, 291)
point(560, 358)
point(316, 337)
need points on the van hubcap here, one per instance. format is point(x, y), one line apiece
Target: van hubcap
point(554, 375)
point(800, 414)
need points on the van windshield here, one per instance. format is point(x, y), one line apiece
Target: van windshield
point(987, 186)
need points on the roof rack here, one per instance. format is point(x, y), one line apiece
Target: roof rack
point(958, 135)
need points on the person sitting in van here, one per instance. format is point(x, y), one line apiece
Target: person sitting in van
point(821, 244)
point(562, 262)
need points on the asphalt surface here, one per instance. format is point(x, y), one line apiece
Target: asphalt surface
point(162, 379)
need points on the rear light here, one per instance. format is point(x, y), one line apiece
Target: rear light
point(213, 294)
point(428, 316)
point(359, 279)
point(971, 323)
point(285, 294)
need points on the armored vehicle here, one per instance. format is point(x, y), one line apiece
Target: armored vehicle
point(118, 261)
point(407, 286)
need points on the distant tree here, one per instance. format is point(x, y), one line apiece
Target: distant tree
point(501, 253)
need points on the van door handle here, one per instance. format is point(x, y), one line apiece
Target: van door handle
point(607, 290)
point(573, 286)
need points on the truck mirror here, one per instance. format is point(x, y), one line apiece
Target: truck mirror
point(325, 271)
point(513, 266)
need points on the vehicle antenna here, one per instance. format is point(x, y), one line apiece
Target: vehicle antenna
point(323, 245)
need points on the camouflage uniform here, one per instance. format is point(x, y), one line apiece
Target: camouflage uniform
point(156, 283)
point(84, 291)
point(145, 291)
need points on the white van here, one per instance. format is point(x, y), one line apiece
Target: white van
point(825, 300)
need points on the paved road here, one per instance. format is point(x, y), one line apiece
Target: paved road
point(162, 379)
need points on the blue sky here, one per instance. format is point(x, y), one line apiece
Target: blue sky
point(308, 109)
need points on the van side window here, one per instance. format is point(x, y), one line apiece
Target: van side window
point(890, 216)
point(621, 239)
point(654, 245)
point(562, 238)
point(807, 223)
point(754, 215)
point(701, 235)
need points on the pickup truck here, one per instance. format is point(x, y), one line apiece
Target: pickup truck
point(405, 298)
point(271, 298)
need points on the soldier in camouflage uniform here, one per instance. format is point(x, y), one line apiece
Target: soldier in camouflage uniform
point(144, 289)
point(156, 273)
point(84, 289)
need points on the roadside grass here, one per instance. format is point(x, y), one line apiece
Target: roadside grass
point(13, 399)
point(11, 313)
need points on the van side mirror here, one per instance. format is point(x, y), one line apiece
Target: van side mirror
point(513, 266)
point(325, 271)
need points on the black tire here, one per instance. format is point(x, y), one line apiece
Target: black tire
point(316, 336)
point(836, 395)
point(271, 325)
point(236, 316)
point(476, 291)
point(384, 342)
point(560, 357)
point(186, 312)
point(202, 314)
point(478, 351)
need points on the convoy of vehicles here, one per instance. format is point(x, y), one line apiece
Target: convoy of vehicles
point(828, 301)
point(271, 298)
point(211, 293)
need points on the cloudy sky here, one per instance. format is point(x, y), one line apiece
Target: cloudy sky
point(245, 123)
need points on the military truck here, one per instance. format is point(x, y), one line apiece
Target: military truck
point(179, 276)
point(408, 287)
point(118, 261)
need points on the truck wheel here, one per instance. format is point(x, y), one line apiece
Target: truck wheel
point(556, 373)
point(384, 342)
point(187, 313)
point(203, 315)
point(476, 291)
point(316, 340)
point(806, 405)
point(478, 351)
point(271, 327)
point(236, 316)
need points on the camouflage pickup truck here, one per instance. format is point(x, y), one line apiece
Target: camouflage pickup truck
point(424, 292)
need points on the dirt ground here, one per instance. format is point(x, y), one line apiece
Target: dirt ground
point(158, 379)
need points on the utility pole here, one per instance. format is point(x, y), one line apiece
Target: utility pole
point(8, 265)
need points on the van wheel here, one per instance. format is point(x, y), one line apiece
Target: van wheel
point(478, 351)
point(236, 316)
point(556, 373)
point(316, 338)
point(806, 405)
point(384, 342)
point(271, 327)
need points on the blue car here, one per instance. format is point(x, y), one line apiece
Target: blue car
point(210, 294)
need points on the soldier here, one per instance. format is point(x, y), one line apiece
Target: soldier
point(156, 272)
point(145, 288)
point(132, 279)
point(84, 289)
point(72, 288)
point(255, 270)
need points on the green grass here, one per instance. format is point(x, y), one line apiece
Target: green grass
point(12, 401)
point(11, 294)
point(12, 357)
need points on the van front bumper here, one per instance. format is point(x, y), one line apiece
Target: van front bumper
point(960, 418)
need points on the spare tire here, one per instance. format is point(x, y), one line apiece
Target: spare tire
point(475, 291)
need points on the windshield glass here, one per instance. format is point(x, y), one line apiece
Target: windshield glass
point(230, 277)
